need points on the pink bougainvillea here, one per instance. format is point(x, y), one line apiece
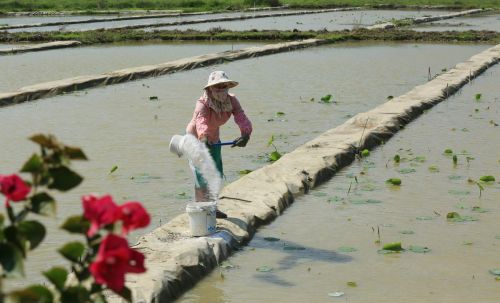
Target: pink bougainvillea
point(13, 188)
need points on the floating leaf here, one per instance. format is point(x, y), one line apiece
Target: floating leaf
point(390, 97)
point(456, 177)
point(487, 179)
point(153, 98)
point(394, 181)
point(264, 268)
point(420, 159)
point(394, 246)
point(397, 158)
point(352, 284)
point(456, 217)
point(419, 249)
point(346, 249)
point(433, 169)
point(386, 251)
point(113, 169)
point(336, 294)
point(271, 239)
point(326, 99)
point(245, 171)
point(497, 237)
point(478, 97)
point(274, 156)
point(365, 153)
point(407, 232)
point(448, 151)
point(407, 171)
point(280, 114)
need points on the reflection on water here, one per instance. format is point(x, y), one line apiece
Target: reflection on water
point(32, 68)
point(332, 218)
point(119, 124)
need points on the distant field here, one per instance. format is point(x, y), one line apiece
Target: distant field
point(200, 5)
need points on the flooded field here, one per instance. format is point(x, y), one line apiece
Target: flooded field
point(32, 68)
point(122, 23)
point(490, 21)
point(120, 124)
point(328, 245)
point(330, 21)
point(14, 20)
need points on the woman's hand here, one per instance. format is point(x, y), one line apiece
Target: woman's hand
point(241, 141)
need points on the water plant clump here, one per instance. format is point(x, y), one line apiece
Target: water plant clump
point(487, 179)
point(275, 155)
point(365, 153)
point(397, 158)
point(394, 181)
point(448, 151)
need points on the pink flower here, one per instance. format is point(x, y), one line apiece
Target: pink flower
point(115, 259)
point(99, 211)
point(13, 188)
point(134, 216)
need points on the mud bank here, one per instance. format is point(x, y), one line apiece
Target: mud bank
point(39, 47)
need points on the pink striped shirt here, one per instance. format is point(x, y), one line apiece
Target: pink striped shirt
point(206, 122)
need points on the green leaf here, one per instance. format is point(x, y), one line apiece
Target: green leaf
point(495, 271)
point(75, 153)
point(64, 179)
point(365, 201)
point(365, 153)
point(419, 249)
point(57, 276)
point(420, 159)
point(46, 141)
point(113, 169)
point(326, 99)
point(76, 225)
point(43, 204)
point(352, 284)
point(33, 231)
point(394, 181)
point(32, 294)
point(448, 151)
point(478, 97)
point(397, 158)
point(271, 141)
point(394, 246)
point(433, 169)
point(346, 249)
point(11, 260)
point(72, 251)
point(487, 179)
point(264, 268)
point(478, 209)
point(33, 165)
point(16, 238)
point(245, 171)
point(280, 114)
point(271, 239)
point(2, 219)
point(153, 98)
point(75, 294)
point(274, 156)
point(126, 294)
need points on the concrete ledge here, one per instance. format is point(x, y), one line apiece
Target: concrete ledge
point(39, 47)
point(175, 261)
point(48, 89)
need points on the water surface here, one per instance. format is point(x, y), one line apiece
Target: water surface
point(489, 21)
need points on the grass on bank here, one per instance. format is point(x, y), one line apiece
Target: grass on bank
point(111, 36)
point(203, 5)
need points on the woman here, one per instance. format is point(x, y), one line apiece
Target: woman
point(212, 110)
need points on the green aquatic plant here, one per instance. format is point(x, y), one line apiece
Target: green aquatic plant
point(153, 98)
point(456, 217)
point(393, 246)
point(394, 181)
point(397, 158)
point(275, 155)
point(390, 97)
point(244, 171)
point(455, 159)
point(419, 249)
point(113, 169)
point(448, 151)
point(352, 284)
point(365, 153)
point(280, 114)
point(487, 179)
point(478, 97)
point(326, 99)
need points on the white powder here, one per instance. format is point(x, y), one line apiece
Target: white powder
point(200, 157)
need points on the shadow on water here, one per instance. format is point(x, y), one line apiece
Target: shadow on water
point(295, 254)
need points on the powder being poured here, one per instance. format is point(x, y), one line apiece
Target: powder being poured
point(199, 157)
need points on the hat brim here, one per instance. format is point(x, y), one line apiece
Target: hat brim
point(230, 84)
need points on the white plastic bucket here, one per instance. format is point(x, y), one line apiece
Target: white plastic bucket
point(202, 218)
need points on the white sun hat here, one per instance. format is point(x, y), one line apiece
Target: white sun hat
point(218, 77)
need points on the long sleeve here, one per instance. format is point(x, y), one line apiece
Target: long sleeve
point(202, 119)
point(240, 118)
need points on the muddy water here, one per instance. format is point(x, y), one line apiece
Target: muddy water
point(31, 68)
point(114, 24)
point(312, 260)
point(474, 22)
point(119, 125)
point(330, 21)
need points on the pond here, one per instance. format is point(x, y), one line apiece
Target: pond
point(326, 244)
point(331, 21)
point(36, 67)
point(18, 20)
point(119, 124)
point(488, 21)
